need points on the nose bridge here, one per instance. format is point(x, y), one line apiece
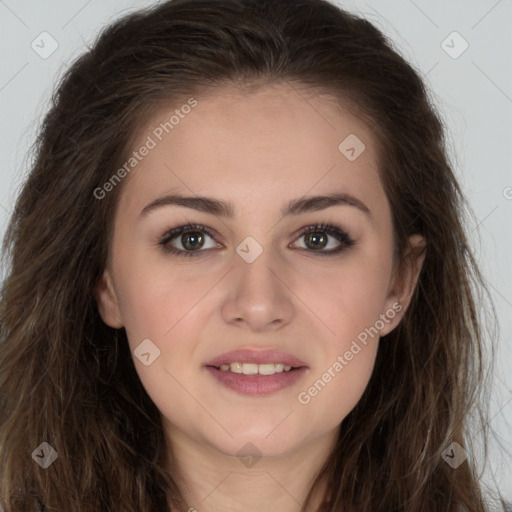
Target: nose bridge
point(259, 297)
point(256, 272)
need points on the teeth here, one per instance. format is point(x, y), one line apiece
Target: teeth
point(253, 368)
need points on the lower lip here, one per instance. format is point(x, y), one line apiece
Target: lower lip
point(257, 384)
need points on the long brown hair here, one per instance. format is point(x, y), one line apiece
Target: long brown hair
point(68, 379)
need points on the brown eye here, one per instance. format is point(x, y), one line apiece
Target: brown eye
point(318, 238)
point(191, 238)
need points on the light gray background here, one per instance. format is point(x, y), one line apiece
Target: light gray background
point(472, 91)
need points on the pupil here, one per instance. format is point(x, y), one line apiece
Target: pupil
point(195, 238)
point(317, 240)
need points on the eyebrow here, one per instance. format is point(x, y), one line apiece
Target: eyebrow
point(226, 209)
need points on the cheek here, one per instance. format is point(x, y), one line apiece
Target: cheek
point(346, 299)
point(349, 348)
point(156, 299)
point(349, 302)
point(335, 392)
point(168, 309)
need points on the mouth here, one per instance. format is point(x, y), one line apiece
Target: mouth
point(254, 368)
point(251, 372)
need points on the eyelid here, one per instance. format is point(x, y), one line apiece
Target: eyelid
point(331, 228)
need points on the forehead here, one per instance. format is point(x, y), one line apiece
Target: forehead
point(255, 146)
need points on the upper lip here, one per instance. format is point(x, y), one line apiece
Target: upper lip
point(256, 356)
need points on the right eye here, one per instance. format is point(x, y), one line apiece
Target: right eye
point(191, 238)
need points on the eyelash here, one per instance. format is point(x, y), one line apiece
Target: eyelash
point(330, 229)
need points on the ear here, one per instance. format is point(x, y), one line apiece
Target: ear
point(403, 284)
point(106, 298)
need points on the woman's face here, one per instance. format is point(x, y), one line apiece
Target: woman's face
point(253, 280)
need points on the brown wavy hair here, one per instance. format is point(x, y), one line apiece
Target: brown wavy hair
point(68, 379)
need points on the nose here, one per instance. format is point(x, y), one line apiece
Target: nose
point(258, 297)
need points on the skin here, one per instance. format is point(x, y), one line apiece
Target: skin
point(258, 150)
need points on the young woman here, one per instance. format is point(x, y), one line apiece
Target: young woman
point(238, 277)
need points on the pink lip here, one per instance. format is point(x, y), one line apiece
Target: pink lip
point(257, 385)
point(256, 356)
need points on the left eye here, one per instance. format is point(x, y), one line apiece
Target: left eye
point(317, 237)
point(192, 239)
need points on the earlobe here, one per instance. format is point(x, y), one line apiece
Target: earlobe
point(404, 282)
point(108, 305)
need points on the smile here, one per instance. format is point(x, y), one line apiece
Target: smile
point(256, 369)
